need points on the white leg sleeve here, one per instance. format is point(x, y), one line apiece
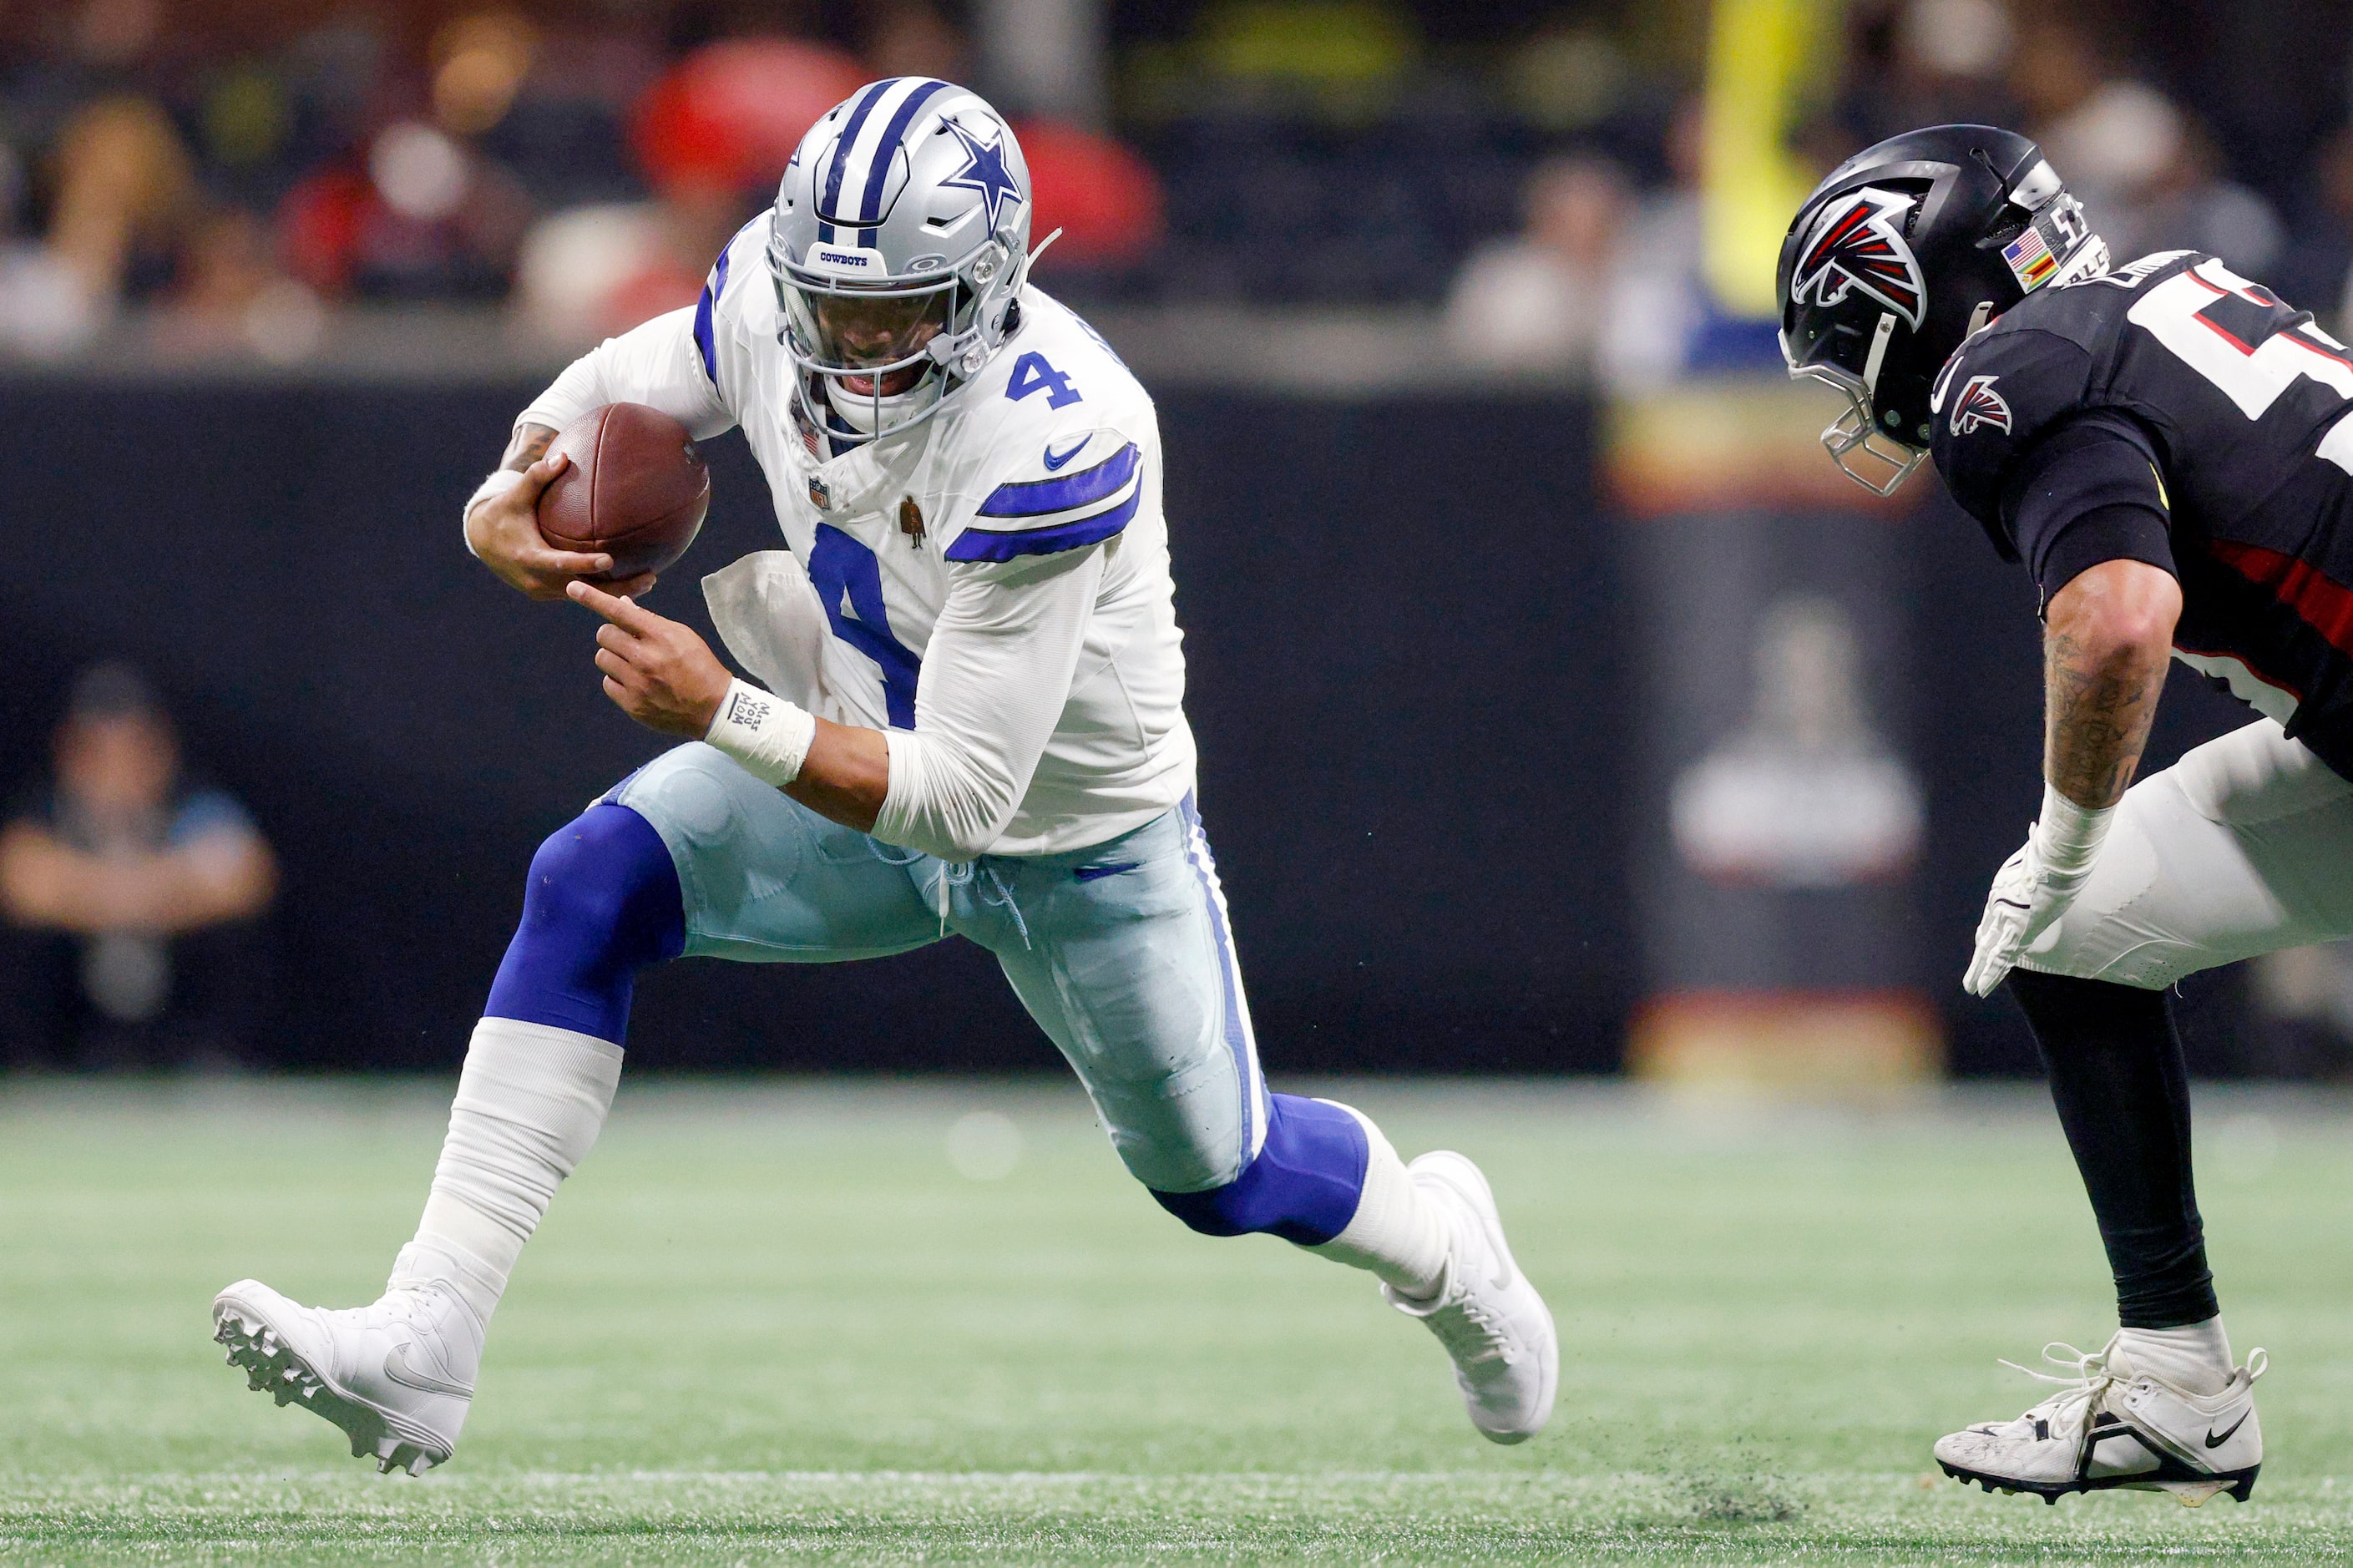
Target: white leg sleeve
point(530, 1103)
point(1397, 1233)
point(2245, 847)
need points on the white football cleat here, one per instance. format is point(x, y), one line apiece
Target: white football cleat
point(397, 1377)
point(1486, 1314)
point(2111, 1426)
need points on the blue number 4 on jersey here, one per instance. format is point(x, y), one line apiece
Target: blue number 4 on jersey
point(1032, 373)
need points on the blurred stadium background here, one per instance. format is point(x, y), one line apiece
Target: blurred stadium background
point(1456, 315)
point(1693, 767)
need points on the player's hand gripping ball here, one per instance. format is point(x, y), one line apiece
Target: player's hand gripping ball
point(634, 490)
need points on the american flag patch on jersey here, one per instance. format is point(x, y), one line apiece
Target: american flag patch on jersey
point(2029, 258)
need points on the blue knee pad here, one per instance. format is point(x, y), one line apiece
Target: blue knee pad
point(602, 904)
point(1304, 1186)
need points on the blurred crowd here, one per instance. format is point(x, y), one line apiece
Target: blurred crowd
point(230, 172)
point(1606, 274)
point(238, 170)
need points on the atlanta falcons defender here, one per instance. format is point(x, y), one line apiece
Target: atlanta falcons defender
point(2168, 449)
point(971, 722)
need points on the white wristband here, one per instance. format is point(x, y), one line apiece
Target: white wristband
point(498, 484)
point(2068, 835)
point(762, 730)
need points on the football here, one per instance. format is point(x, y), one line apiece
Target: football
point(637, 488)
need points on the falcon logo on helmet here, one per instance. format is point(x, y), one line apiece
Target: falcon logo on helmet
point(1856, 245)
point(1980, 406)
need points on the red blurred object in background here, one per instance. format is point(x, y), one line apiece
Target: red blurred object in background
point(1104, 198)
point(731, 113)
point(322, 219)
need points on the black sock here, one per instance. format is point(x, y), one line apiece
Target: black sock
point(2122, 1094)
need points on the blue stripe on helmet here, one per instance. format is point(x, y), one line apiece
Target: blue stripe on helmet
point(878, 172)
point(857, 121)
point(705, 339)
point(1041, 498)
point(996, 545)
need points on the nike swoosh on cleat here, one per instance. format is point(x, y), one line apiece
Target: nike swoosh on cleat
point(2214, 1442)
point(1054, 460)
point(396, 1367)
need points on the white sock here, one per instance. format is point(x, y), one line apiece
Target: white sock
point(1397, 1234)
point(2196, 1357)
point(530, 1103)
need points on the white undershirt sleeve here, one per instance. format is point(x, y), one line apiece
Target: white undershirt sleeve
point(658, 364)
point(996, 676)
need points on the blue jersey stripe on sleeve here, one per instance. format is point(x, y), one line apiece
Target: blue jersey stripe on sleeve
point(1006, 545)
point(706, 338)
point(1041, 498)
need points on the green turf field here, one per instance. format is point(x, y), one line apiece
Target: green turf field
point(777, 1324)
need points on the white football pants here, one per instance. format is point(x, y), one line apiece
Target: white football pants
point(2245, 847)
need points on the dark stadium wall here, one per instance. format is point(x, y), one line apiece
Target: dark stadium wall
point(1410, 648)
point(1405, 667)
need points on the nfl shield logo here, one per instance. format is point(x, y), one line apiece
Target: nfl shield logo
point(820, 494)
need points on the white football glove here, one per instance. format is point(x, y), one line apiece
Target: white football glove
point(2035, 886)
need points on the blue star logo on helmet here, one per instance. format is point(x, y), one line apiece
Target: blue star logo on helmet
point(983, 171)
point(1857, 246)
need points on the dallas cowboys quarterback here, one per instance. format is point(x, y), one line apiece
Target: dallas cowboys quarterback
point(2168, 448)
point(971, 721)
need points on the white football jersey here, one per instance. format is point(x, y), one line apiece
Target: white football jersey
point(1046, 461)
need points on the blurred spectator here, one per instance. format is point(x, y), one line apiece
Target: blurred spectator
point(131, 894)
point(1663, 321)
point(911, 37)
point(1539, 302)
point(2190, 205)
point(121, 180)
point(1106, 200)
point(1924, 62)
point(232, 297)
point(2111, 139)
point(712, 136)
point(417, 213)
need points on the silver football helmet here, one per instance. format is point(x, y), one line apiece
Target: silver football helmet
point(899, 241)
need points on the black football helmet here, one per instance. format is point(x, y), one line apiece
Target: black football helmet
point(1904, 251)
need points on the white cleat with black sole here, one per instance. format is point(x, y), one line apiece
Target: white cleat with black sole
point(2111, 1426)
point(397, 1376)
point(1485, 1312)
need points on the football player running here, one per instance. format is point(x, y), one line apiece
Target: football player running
point(2168, 449)
point(971, 721)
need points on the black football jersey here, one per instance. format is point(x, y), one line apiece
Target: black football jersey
point(2172, 412)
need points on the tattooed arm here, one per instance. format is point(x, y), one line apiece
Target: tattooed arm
point(2106, 640)
point(529, 445)
point(2107, 637)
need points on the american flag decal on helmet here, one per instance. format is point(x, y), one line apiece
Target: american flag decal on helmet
point(1981, 405)
point(1856, 245)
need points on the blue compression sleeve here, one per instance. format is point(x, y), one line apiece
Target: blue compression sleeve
point(602, 904)
point(1303, 1186)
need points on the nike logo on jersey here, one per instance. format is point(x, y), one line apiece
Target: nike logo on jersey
point(1055, 460)
point(1096, 873)
point(2214, 1442)
point(396, 1367)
